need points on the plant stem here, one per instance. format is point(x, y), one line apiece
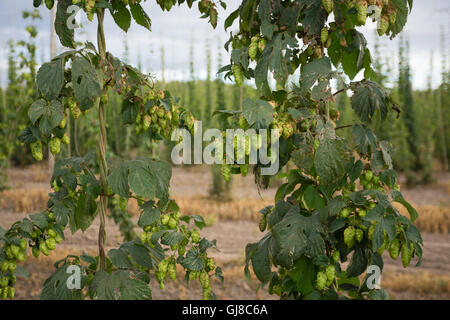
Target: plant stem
point(102, 147)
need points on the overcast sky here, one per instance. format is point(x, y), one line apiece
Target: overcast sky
point(175, 30)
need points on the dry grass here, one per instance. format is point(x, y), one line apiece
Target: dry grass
point(23, 200)
point(423, 284)
point(35, 173)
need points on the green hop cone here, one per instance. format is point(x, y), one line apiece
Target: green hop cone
point(253, 50)
point(345, 212)
point(163, 266)
point(190, 121)
point(36, 150)
point(361, 8)
point(406, 254)
point(23, 244)
point(362, 213)
point(11, 293)
point(324, 35)
point(52, 233)
point(321, 280)
point(62, 124)
point(359, 234)
point(172, 223)
point(262, 44)
point(328, 5)
point(206, 293)
point(22, 256)
point(383, 26)
point(195, 236)
point(12, 266)
point(75, 110)
point(336, 256)
point(147, 121)
point(349, 236)
point(15, 250)
point(226, 171)
point(165, 219)
point(204, 279)
point(144, 237)
point(161, 112)
point(330, 271)
point(43, 248)
point(210, 264)
point(58, 238)
point(172, 271)
point(262, 223)
point(51, 243)
point(193, 275)
point(383, 246)
point(65, 139)
point(55, 145)
point(238, 74)
point(368, 176)
point(181, 250)
point(394, 248)
point(244, 169)
point(243, 124)
point(393, 17)
point(35, 251)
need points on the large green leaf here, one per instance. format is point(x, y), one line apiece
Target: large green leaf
point(402, 16)
point(121, 15)
point(315, 16)
point(358, 264)
point(50, 78)
point(120, 285)
point(55, 287)
point(149, 215)
point(304, 275)
point(66, 35)
point(120, 259)
point(330, 160)
point(85, 83)
point(259, 114)
point(140, 16)
point(313, 71)
point(296, 235)
point(50, 114)
point(368, 98)
point(118, 179)
point(365, 139)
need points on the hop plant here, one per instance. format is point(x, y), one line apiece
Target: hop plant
point(324, 35)
point(328, 5)
point(349, 236)
point(384, 25)
point(55, 145)
point(394, 248)
point(226, 171)
point(262, 44)
point(321, 280)
point(361, 8)
point(238, 74)
point(36, 150)
point(406, 254)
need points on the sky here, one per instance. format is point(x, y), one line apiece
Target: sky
point(176, 30)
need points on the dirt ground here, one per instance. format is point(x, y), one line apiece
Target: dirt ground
point(429, 281)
